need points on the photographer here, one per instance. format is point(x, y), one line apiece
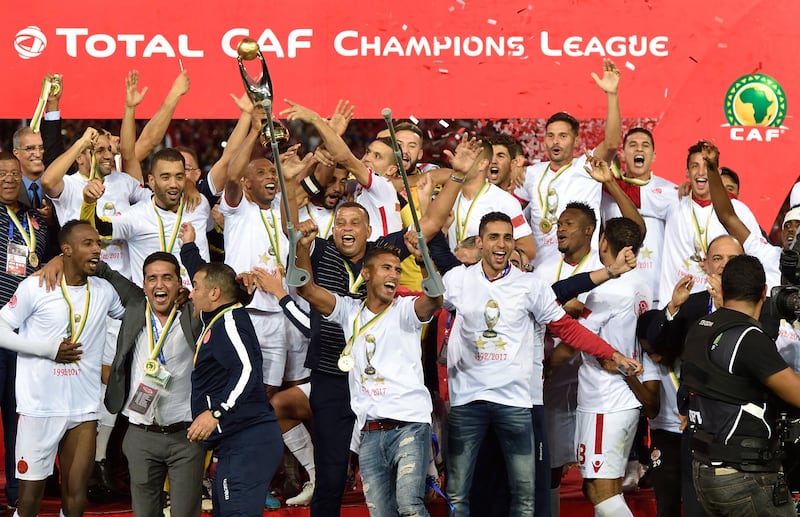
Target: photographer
point(728, 361)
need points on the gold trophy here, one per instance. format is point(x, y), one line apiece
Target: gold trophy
point(370, 339)
point(260, 90)
point(491, 314)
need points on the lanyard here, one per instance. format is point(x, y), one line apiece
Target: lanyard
point(353, 283)
point(156, 341)
point(30, 239)
point(544, 202)
point(327, 231)
point(161, 234)
point(207, 329)
point(74, 318)
point(272, 233)
point(360, 329)
point(577, 267)
point(461, 224)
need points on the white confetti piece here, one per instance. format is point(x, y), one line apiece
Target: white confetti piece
point(722, 45)
point(451, 8)
point(413, 119)
point(405, 27)
point(718, 19)
point(491, 21)
point(666, 92)
point(462, 2)
point(629, 65)
point(443, 71)
point(444, 124)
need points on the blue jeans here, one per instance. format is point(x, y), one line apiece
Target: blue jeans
point(467, 428)
point(739, 494)
point(393, 466)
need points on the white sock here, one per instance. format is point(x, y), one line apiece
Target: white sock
point(61, 513)
point(613, 507)
point(103, 436)
point(298, 441)
point(555, 502)
point(16, 513)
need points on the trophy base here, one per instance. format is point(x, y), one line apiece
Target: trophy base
point(369, 370)
point(489, 334)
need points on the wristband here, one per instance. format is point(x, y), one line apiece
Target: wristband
point(311, 185)
point(611, 274)
point(457, 179)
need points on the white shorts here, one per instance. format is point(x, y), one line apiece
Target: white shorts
point(559, 412)
point(38, 439)
point(305, 388)
point(603, 442)
point(283, 347)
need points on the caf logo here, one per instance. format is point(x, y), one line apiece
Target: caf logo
point(755, 100)
point(30, 42)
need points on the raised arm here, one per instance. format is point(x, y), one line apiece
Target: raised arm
point(320, 299)
point(609, 83)
point(156, 127)
point(53, 177)
point(127, 132)
point(218, 173)
point(601, 172)
point(720, 198)
point(237, 167)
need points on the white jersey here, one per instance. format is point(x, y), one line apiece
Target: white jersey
point(139, 226)
point(667, 418)
point(657, 198)
point(690, 228)
point(322, 217)
point(769, 256)
point(545, 188)
point(379, 198)
point(44, 387)
point(254, 238)
point(121, 192)
point(496, 368)
point(396, 389)
point(551, 272)
point(490, 198)
point(612, 311)
point(788, 343)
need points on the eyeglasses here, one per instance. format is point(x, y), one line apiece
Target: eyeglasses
point(15, 175)
point(187, 169)
point(31, 148)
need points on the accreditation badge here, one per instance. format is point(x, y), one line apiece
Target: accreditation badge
point(16, 259)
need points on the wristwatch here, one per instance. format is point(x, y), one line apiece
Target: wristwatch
point(216, 413)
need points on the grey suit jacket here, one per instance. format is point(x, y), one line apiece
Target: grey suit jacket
point(133, 323)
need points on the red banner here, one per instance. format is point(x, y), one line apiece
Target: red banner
point(686, 64)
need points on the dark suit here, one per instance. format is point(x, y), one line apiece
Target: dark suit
point(153, 452)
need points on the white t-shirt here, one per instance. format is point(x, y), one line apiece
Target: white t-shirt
point(379, 198)
point(788, 343)
point(682, 240)
point(174, 401)
point(322, 217)
point(573, 184)
point(496, 369)
point(250, 234)
point(612, 311)
point(397, 388)
point(139, 226)
point(122, 192)
point(658, 198)
point(468, 213)
point(768, 255)
point(794, 195)
point(551, 272)
point(44, 387)
point(667, 418)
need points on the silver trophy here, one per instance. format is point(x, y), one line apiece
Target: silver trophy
point(491, 314)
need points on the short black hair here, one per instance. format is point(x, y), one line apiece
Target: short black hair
point(634, 130)
point(727, 171)
point(218, 274)
point(168, 154)
point(620, 232)
point(585, 209)
point(563, 116)
point(352, 204)
point(693, 149)
point(66, 230)
point(376, 251)
point(507, 141)
point(408, 126)
point(743, 279)
point(161, 256)
point(493, 217)
point(7, 156)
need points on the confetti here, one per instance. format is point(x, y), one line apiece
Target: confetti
point(490, 21)
point(405, 27)
point(443, 70)
point(413, 119)
point(718, 19)
point(629, 65)
point(451, 8)
point(666, 91)
point(693, 59)
point(722, 45)
point(444, 124)
point(462, 2)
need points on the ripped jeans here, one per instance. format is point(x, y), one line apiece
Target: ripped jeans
point(393, 465)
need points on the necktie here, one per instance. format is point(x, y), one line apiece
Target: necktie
point(36, 201)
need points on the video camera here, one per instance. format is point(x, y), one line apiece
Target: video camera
point(786, 297)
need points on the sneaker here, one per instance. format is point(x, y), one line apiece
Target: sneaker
point(633, 473)
point(304, 497)
point(271, 503)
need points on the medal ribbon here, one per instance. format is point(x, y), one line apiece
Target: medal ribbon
point(327, 231)
point(577, 267)
point(162, 236)
point(272, 233)
point(38, 113)
point(673, 375)
point(157, 341)
point(544, 204)
point(207, 329)
point(73, 334)
point(358, 330)
point(94, 171)
point(631, 181)
point(352, 283)
point(696, 225)
point(30, 239)
point(461, 228)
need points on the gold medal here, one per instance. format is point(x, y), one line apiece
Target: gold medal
point(151, 367)
point(271, 251)
point(33, 259)
point(346, 363)
point(545, 225)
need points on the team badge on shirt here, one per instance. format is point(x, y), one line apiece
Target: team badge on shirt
point(13, 301)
